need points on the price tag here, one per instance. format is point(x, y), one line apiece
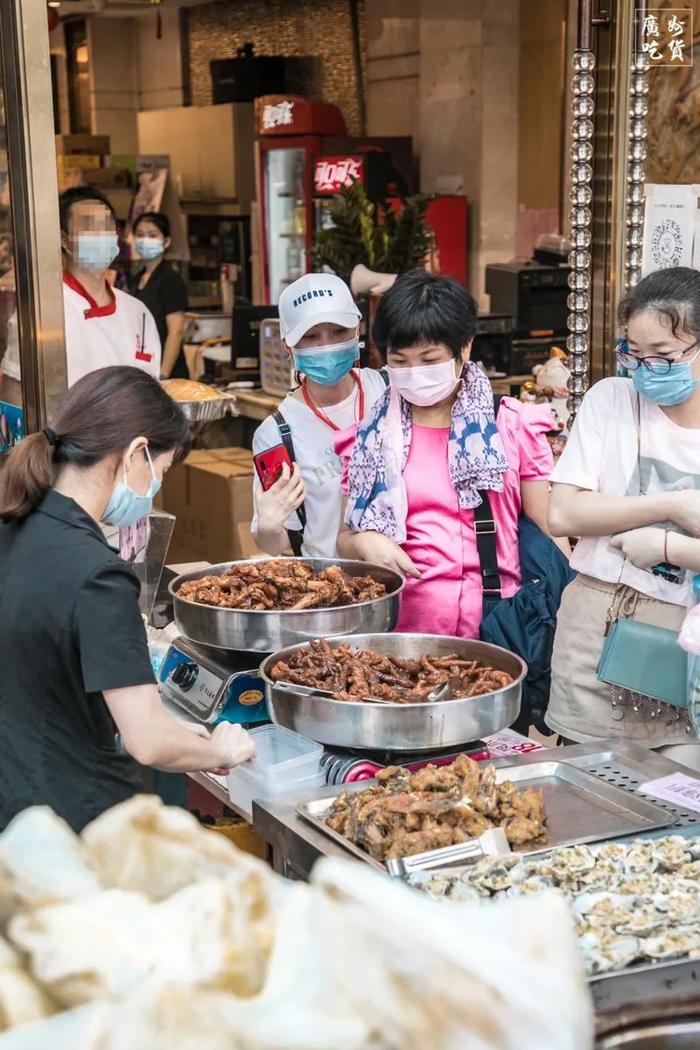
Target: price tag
point(678, 788)
point(508, 742)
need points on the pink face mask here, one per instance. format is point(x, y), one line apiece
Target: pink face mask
point(426, 385)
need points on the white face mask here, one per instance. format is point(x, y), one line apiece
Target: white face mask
point(426, 385)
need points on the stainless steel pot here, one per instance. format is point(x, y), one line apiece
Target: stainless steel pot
point(200, 327)
point(660, 1035)
point(266, 632)
point(400, 727)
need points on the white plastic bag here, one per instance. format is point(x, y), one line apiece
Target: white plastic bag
point(434, 975)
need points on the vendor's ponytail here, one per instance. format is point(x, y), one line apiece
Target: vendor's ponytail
point(26, 477)
point(100, 416)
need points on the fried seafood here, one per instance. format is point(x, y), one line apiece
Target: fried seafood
point(359, 674)
point(407, 813)
point(281, 585)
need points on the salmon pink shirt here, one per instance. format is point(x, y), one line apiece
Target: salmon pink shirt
point(440, 538)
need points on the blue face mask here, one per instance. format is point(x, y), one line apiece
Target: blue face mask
point(95, 251)
point(671, 389)
point(126, 507)
point(149, 247)
point(327, 365)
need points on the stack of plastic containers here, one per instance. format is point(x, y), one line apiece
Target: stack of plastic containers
point(285, 764)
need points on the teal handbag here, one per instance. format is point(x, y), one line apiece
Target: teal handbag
point(646, 662)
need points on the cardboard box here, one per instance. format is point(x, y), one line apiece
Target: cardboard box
point(82, 144)
point(111, 178)
point(211, 496)
point(241, 835)
point(73, 170)
point(120, 199)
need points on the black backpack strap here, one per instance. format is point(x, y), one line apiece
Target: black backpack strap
point(385, 376)
point(296, 536)
point(485, 529)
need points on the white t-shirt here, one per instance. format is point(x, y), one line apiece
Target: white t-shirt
point(601, 456)
point(320, 468)
point(121, 333)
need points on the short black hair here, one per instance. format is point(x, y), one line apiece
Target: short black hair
point(673, 293)
point(75, 196)
point(422, 307)
point(160, 221)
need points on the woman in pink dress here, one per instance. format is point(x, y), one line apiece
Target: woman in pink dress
point(429, 448)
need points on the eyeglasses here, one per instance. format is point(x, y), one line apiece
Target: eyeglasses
point(658, 366)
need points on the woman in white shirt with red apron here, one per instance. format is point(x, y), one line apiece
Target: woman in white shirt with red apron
point(103, 325)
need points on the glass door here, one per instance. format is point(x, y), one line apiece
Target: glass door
point(32, 354)
point(285, 225)
point(11, 413)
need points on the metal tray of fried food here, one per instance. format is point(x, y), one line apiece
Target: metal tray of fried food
point(578, 805)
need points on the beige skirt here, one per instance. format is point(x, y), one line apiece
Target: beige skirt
point(580, 706)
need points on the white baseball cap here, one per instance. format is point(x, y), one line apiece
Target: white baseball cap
point(317, 298)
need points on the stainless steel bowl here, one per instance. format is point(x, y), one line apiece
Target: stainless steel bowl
point(264, 632)
point(400, 727)
point(206, 411)
point(662, 1035)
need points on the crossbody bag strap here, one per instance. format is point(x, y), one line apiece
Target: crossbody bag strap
point(485, 530)
point(296, 536)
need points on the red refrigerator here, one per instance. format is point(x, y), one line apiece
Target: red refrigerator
point(291, 133)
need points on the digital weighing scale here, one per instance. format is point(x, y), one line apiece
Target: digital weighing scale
point(214, 685)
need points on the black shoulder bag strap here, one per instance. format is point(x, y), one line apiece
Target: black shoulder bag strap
point(485, 530)
point(296, 536)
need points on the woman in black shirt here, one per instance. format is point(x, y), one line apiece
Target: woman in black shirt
point(162, 290)
point(74, 662)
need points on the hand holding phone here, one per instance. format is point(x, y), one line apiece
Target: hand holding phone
point(276, 505)
point(269, 463)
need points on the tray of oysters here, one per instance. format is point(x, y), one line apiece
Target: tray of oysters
point(634, 903)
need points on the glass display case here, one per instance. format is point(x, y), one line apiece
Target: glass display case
point(286, 232)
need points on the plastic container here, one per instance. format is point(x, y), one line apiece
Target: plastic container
point(286, 763)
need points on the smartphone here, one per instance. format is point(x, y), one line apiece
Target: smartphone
point(269, 465)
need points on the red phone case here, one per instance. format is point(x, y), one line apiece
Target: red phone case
point(269, 464)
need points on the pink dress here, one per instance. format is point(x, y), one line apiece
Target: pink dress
point(440, 537)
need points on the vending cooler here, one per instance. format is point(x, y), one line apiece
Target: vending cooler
point(291, 134)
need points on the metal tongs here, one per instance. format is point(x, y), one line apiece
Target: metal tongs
point(493, 843)
point(440, 692)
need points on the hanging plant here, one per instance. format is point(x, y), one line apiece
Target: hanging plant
point(383, 237)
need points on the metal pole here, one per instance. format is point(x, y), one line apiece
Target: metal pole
point(26, 80)
point(579, 301)
point(636, 154)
